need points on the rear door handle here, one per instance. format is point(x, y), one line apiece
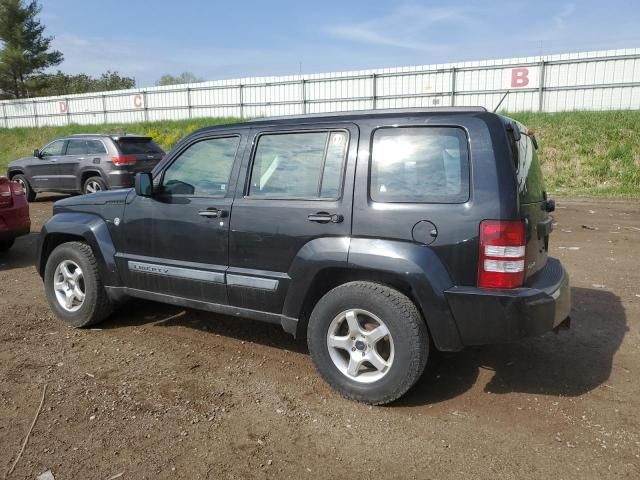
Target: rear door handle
point(53, 160)
point(213, 213)
point(324, 217)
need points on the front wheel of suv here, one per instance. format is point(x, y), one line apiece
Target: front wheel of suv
point(368, 341)
point(26, 186)
point(93, 185)
point(73, 286)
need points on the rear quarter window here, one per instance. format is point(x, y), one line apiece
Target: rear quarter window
point(419, 165)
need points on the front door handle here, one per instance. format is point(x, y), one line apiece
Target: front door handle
point(213, 213)
point(324, 217)
point(53, 160)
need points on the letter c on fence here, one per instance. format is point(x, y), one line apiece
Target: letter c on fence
point(519, 77)
point(63, 106)
point(138, 101)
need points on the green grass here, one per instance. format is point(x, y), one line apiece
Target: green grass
point(583, 153)
point(588, 153)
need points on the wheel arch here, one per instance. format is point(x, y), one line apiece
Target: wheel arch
point(87, 173)
point(87, 228)
point(14, 171)
point(414, 270)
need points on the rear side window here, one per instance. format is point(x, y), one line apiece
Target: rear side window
point(299, 165)
point(95, 147)
point(528, 171)
point(138, 146)
point(419, 165)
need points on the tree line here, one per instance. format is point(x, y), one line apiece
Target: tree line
point(27, 57)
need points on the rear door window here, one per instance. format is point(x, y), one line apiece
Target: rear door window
point(302, 165)
point(77, 147)
point(419, 165)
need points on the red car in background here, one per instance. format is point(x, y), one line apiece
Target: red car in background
point(14, 213)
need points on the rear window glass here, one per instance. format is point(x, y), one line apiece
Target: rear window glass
point(420, 165)
point(138, 146)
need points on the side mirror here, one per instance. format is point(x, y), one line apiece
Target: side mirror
point(37, 154)
point(144, 184)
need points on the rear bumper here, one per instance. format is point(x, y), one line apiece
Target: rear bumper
point(121, 179)
point(14, 222)
point(486, 316)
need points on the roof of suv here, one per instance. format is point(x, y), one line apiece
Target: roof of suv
point(105, 135)
point(351, 115)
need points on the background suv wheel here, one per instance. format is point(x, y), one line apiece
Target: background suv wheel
point(368, 341)
point(22, 180)
point(93, 185)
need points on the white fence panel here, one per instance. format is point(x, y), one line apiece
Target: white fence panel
point(607, 80)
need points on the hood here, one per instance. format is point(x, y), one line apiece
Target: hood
point(21, 161)
point(99, 198)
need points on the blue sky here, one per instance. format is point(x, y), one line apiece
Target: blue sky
point(216, 40)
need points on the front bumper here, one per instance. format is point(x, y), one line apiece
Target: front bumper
point(486, 316)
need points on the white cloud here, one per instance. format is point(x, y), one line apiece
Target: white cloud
point(559, 19)
point(410, 26)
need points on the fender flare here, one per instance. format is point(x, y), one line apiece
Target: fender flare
point(415, 266)
point(89, 168)
point(92, 229)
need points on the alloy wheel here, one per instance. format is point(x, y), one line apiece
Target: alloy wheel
point(360, 345)
point(69, 286)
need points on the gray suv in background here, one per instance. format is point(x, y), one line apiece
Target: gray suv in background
point(86, 163)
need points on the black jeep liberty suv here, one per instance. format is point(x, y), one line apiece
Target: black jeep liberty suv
point(377, 235)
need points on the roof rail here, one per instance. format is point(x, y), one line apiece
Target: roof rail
point(385, 111)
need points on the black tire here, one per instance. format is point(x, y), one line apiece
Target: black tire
point(405, 326)
point(6, 244)
point(96, 305)
point(21, 179)
point(92, 183)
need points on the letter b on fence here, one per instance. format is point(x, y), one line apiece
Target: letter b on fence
point(519, 77)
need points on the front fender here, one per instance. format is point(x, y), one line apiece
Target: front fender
point(92, 229)
point(423, 271)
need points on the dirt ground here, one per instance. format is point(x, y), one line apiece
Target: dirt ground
point(158, 392)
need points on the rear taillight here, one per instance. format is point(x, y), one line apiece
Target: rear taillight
point(6, 198)
point(502, 252)
point(124, 160)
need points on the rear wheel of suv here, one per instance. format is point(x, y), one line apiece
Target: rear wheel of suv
point(73, 286)
point(28, 191)
point(368, 341)
point(6, 244)
point(93, 185)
